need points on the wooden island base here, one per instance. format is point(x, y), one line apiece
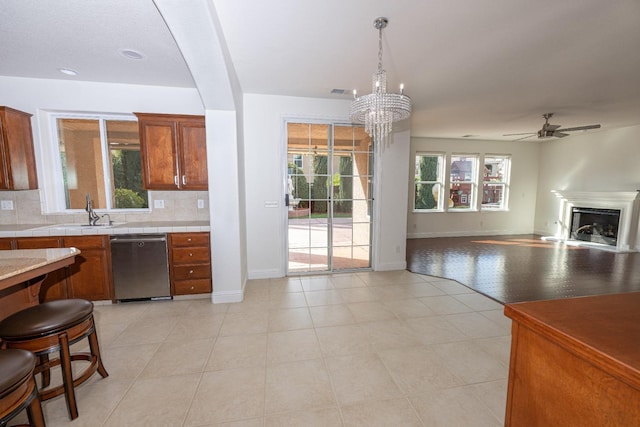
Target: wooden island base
point(575, 362)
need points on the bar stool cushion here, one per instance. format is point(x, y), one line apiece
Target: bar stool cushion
point(15, 365)
point(45, 319)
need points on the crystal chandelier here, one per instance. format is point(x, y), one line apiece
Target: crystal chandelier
point(380, 109)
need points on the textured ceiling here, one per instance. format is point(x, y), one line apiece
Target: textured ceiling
point(482, 68)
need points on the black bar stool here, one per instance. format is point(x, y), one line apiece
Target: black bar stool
point(18, 389)
point(52, 327)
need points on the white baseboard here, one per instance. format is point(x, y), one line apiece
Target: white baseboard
point(265, 274)
point(391, 266)
point(432, 234)
point(227, 297)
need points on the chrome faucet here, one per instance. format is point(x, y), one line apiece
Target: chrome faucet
point(93, 217)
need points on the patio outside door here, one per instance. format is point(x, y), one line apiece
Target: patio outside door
point(329, 187)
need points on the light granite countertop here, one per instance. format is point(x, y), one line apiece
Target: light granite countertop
point(39, 230)
point(19, 261)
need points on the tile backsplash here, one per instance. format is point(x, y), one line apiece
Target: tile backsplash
point(177, 206)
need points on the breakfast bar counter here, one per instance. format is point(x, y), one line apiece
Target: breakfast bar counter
point(575, 361)
point(22, 272)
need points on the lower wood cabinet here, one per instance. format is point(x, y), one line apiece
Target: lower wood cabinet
point(6, 244)
point(190, 263)
point(89, 277)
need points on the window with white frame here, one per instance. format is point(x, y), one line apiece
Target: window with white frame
point(100, 157)
point(297, 160)
point(429, 182)
point(495, 182)
point(463, 181)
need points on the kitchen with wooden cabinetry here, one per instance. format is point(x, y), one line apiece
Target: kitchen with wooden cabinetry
point(173, 157)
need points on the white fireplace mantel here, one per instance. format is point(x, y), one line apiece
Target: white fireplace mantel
point(627, 202)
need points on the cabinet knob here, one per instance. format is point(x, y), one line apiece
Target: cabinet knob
point(192, 287)
point(190, 254)
point(190, 271)
point(189, 239)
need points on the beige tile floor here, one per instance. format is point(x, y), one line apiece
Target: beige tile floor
point(362, 349)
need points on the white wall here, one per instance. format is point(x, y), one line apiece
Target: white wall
point(605, 160)
point(265, 166)
point(518, 219)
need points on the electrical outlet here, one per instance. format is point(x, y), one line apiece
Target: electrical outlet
point(6, 205)
point(158, 204)
point(200, 204)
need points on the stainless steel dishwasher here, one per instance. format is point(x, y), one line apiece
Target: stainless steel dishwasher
point(140, 266)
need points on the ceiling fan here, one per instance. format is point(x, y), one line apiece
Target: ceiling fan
point(548, 130)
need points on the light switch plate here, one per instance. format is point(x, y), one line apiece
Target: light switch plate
point(6, 205)
point(200, 204)
point(158, 204)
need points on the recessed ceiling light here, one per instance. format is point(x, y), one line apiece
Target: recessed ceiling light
point(131, 54)
point(68, 71)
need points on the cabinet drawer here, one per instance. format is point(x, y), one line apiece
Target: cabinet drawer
point(186, 272)
point(190, 255)
point(86, 242)
point(186, 287)
point(190, 239)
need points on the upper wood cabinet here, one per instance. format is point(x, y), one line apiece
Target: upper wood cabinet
point(17, 160)
point(174, 152)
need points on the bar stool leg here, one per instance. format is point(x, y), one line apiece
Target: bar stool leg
point(95, 352)
point(67, 375)
point(34, 411)
point(46, 373)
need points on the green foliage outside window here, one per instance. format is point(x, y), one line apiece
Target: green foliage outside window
point(320, 185)
point(127, 177)
point(428, 168)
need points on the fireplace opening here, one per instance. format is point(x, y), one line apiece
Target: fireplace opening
point(595, 225)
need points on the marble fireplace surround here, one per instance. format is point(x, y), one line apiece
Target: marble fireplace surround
point(627, 202)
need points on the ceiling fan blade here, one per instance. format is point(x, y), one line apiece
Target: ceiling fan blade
point(581, 128)
point(550, 128)
point(560, 134)
point(524, 137)
point(517, 134)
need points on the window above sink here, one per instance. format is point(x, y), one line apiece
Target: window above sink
point(96, 154)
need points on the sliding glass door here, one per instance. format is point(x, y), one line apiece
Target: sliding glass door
point(329, 187)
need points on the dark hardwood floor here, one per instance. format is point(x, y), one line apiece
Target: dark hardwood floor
point(524, 267)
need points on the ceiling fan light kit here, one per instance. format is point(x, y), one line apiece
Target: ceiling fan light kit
point(551, 131)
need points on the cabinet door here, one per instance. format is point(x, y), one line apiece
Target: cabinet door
point(158, 151)
point(90, 276)
point(17, 154)
point(193, 158)
point(6, 244)
point(55, 285)
point(4, 161)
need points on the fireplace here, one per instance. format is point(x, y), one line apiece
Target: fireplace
point(605, 219)
point(595, 225)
